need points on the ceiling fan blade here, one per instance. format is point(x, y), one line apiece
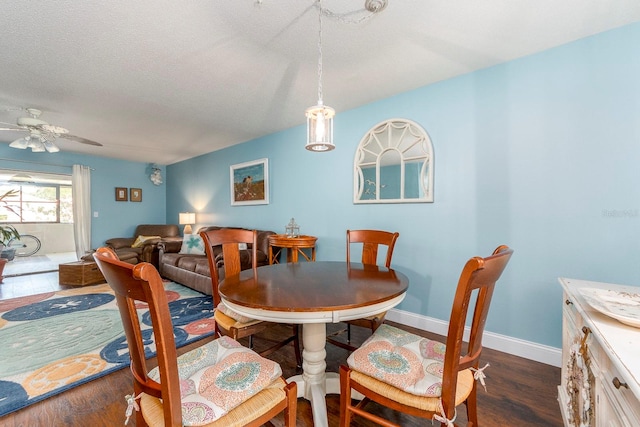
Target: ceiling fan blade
point(11, 126)
point(80, 140)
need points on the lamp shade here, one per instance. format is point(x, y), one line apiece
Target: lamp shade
point(186, 219)
point(36, 146)
point(320, 128)
point(50, 146)
point(21, 143)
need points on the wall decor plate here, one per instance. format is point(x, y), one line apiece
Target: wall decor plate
point(619, 305)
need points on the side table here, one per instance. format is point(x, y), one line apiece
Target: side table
point(293, 245)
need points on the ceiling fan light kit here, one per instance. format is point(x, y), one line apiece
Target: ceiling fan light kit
point(36, 141)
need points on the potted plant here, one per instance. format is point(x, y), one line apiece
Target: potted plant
point(7, 232)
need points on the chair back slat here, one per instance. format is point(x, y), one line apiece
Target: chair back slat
point(371, 240)
point(228, 239)
point(231, 257)
point(143, 283)
point(478, 279)
point(370, 253)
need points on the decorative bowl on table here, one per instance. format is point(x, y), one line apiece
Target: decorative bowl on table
point(620, 305)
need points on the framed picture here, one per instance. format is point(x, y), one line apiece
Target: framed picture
point(250, 183)
point(121, 194)
point(135, 194)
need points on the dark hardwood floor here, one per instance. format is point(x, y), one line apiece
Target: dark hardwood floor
point(520, 393)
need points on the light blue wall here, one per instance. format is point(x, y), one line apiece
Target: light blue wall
point(540, 153)
point(115, 219)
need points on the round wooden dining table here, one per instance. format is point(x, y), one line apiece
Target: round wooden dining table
point(314, 294)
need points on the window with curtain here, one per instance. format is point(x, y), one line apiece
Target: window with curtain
point(35, 198)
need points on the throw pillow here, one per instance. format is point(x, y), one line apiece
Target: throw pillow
point(192, 244)
point(141, 240)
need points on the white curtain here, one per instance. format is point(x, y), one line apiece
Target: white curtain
point(81, 190)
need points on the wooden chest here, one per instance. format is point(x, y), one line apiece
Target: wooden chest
point(80, 273)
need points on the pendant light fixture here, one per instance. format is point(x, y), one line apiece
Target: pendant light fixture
point(320, 117)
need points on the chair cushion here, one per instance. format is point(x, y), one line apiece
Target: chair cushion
point(192, 244)
point(232, 314)
point(240, 416)
point(219, 376)
point(227, 323)
point(404, 360)
point(464, 388)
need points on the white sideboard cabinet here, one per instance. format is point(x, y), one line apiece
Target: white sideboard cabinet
point(600, 383)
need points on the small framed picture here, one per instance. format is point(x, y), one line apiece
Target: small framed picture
point(135, 194)
point(250, 183)
point(121, 194)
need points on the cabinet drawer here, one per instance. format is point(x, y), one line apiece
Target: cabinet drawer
point(626, 402)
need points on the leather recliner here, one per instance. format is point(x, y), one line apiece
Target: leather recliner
point(148, 250)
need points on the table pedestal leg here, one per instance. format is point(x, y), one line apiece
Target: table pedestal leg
point(314, 383)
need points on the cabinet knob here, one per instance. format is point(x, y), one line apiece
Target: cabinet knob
point(567, 302)
point(617, 383)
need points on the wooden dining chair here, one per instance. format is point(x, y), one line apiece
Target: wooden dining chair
point(229, 322)
point(371, 241)
point(421, 377)
point(202, 386)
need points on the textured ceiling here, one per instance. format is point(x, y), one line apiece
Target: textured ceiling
point(164, 80)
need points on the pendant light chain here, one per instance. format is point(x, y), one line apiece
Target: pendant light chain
point(320, 53)
point(320, 117)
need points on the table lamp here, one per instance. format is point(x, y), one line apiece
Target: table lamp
point(186, 219)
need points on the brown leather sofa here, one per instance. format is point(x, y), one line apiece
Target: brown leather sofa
point(147, 251)
point(193, 270)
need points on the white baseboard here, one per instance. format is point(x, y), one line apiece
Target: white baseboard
point(515, 346)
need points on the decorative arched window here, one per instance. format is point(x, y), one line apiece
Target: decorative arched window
point(394, 164)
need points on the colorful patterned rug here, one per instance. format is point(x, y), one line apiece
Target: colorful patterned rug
point(52, 342)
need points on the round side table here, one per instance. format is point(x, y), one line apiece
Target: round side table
point(293, 245)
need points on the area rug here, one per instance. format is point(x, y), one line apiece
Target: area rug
point(52, 342)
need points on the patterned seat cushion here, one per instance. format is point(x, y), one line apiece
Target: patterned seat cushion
point(404, 360)
point(219, 376)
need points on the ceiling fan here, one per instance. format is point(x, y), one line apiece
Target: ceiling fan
point(41, 135)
